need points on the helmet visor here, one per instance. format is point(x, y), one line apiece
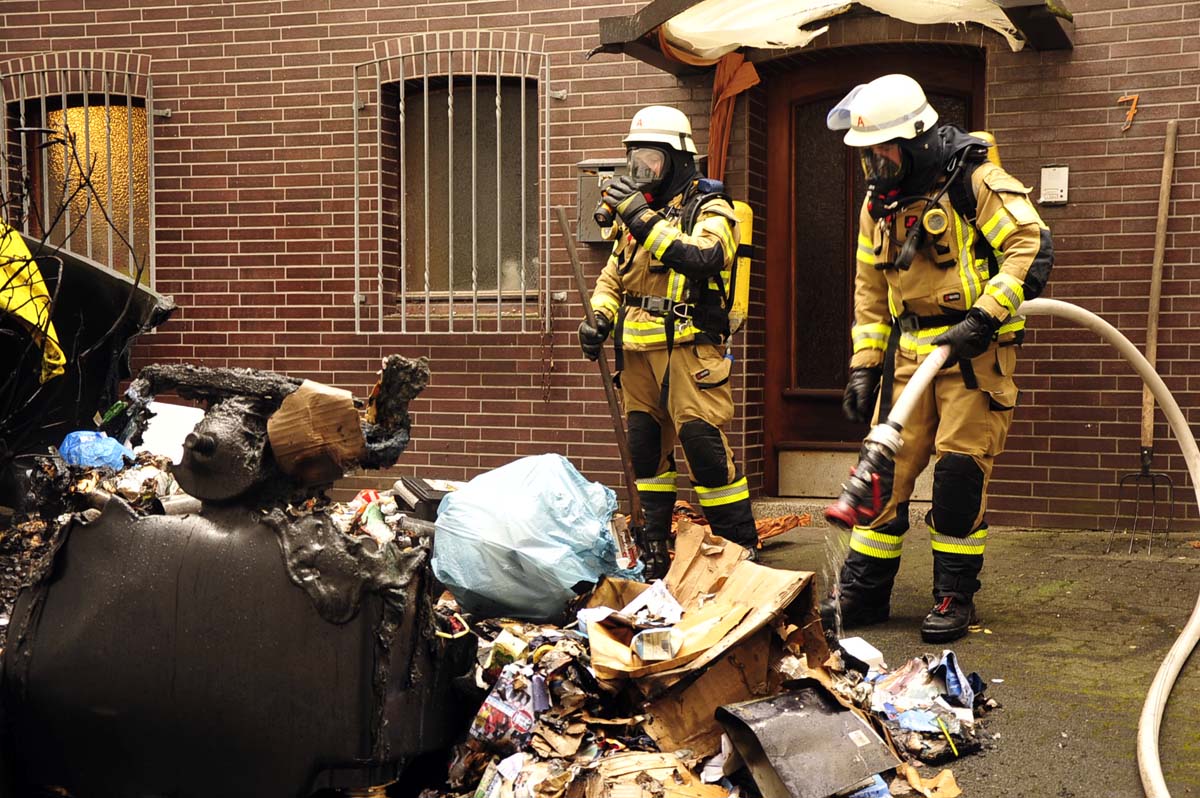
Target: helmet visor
point(883, 164)
point(647, 165)
point(838, 117)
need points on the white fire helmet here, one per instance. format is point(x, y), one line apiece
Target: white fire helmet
point(889, 107)
point(661, 124)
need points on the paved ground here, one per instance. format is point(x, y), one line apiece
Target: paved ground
point(1076, 636)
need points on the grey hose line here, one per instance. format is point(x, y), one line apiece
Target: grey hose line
point(1149, 764)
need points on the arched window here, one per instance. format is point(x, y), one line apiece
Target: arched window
point(77, 155)
point(454, 125)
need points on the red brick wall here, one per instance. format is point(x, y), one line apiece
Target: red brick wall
point(255, 241)
point(1079, 430)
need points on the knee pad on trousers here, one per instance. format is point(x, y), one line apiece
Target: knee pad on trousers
point(899, 524)
point(705, 452)
point(957, 494)
point(645, 444)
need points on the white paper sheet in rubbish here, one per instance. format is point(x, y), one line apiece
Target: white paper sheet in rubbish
point(864, 652)
point(511, 767)
point(655, 605)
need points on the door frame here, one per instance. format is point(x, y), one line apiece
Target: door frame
point(941, 69)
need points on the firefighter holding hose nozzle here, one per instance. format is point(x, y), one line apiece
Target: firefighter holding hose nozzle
point(949, 246)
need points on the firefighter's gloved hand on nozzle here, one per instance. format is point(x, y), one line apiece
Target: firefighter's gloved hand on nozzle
point(858, 402)
point(591, 339)
point(970, 337)
point(624, 197)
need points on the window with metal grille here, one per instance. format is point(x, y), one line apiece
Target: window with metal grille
point(460, 191)
point(77, 155)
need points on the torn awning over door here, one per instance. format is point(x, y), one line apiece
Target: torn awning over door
point(712, 28)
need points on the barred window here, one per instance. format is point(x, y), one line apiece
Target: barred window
point(461, 158)
point(77, 168)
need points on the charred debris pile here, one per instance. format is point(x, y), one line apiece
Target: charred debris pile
point(498, 637)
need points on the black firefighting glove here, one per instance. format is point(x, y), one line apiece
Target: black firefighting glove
point(971, 337)
point(627, 200)
point(591, 339)
point(858, 402)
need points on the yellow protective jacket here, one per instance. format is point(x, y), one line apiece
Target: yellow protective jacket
point(951, 274)
point(667, 263)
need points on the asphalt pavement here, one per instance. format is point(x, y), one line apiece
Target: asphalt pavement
point(1069, 641)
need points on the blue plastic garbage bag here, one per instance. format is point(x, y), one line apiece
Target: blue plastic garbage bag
point(91, 449)
point(522, 540)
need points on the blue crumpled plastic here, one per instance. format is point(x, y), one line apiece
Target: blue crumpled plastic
point(959, 688)
point(91, 449)
point(523, 540)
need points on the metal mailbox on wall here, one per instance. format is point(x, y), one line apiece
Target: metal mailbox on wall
point(593, 173)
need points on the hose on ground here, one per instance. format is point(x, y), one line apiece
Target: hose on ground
point(1149, 764)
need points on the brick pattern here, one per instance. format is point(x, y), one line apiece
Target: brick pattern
point(254, 192)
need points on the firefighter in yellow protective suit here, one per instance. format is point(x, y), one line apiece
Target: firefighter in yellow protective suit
point(949, 247)
point(662, 295)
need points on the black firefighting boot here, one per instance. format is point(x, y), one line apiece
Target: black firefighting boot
point(953, 611)
point(734, 522)
point(863, 593)
point(949, 619)
point(864, 590)
point(656, 554)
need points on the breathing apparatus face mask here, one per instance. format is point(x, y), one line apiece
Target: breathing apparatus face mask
point(884, 165)
point(649, 167)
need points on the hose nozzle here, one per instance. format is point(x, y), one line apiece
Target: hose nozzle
point(870, 484)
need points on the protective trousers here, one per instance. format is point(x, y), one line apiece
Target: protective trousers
point(685, 395)
point(962, 420)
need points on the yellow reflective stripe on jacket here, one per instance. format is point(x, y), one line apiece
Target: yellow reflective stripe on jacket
point(1013, 325)
point(720, 227)
point(879, 545)
point(892, 308)
point(1007, 290)
point(663, 483)
point(607, 304)
point(998, 228)
point(676, 287)
point(723, 284)
point(973, 543)
point(920, 342)
point(661, 236)
point(726, 494)
point(866, 249)
point(652, 331)
point(971, 273)
point(870, 336)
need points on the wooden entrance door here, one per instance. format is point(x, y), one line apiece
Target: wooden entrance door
point(814, 192)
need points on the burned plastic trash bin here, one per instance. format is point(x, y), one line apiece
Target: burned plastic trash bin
point(251, 649)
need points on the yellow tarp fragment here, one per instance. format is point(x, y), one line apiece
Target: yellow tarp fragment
point(23, 294)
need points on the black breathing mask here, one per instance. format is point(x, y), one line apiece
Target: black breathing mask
point(649, 167)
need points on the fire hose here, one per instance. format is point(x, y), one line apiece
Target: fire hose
point(861, 493)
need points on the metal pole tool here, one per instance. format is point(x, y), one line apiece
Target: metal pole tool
point(637, 520)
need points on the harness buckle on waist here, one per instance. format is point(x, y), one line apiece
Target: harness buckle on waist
point(662, 306)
